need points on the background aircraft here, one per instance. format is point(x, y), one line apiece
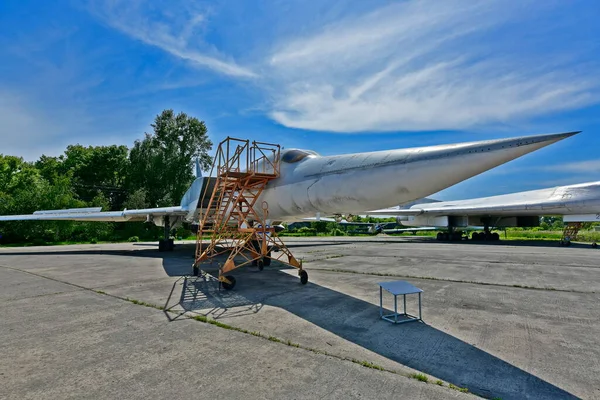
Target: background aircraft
point(348, 184)
point(576, 203)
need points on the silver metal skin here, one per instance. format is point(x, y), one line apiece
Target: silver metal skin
point(353, 183)
point(310, 184)
point(577, 203)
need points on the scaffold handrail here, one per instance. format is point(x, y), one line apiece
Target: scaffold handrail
point(243, 170)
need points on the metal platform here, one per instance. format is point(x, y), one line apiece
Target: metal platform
point(235, 217)
point(398, 288)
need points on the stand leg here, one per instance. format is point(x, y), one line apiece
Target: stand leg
point(420, 318)
point(404, 304)
point(380, 302)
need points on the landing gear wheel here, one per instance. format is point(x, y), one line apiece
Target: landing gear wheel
point(267, 260)
point(195, 271)
point(303, 277)
point(495, 236)
point(440, 236)
point(228, 286)
point(261, 265)
point(594, 245)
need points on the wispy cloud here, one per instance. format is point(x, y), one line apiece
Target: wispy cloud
point(587, 166)
point(423, 65)
point(28, 131)
point(172, 26)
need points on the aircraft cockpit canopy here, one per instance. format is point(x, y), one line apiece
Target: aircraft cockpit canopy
point(295, 155)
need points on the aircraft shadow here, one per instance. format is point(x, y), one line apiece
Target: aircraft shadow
point(415, 345)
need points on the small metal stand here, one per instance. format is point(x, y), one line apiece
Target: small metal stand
point(399, 288)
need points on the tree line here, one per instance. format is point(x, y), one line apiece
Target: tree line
point(155, 172)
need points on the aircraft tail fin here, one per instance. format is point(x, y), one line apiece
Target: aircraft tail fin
point(198, 169)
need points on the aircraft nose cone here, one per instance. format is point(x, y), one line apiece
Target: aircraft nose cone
point(501, 150)
point(439, 167)
point(387, 178)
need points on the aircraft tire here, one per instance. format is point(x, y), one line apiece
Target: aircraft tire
point(228, 286)
point(440, 236)
point(195, 271)
point(594, 245)
point(267, 260)
point(162, 245)
point(303, 277)
point(495, 236)
point(261, 265)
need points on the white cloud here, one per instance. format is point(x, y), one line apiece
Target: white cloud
point(31, 127)
point(421, 65)
point(25, 132)
point(174, 27)
point(587, 166)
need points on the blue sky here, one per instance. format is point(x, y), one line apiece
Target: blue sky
point(332, 76)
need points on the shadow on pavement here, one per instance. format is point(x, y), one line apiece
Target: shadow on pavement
point(416, 345)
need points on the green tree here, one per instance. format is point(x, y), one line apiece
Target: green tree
point(92, 169)
point(24, 190)
point(162, 162)
point(98, 169)
point(319, 226)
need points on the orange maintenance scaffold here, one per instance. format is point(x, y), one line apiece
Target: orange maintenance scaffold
point(236, 223)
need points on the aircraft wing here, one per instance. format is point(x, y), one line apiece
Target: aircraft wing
point(417, 229)
point(458, 209)
point(96, 214)
point(482, 207)
point(562, 200)
point(326, 219)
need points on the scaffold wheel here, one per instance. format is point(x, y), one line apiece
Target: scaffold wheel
point(267, 259)
point(303, 277)
point(228, 286)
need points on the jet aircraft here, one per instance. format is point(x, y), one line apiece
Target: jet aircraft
point(576, 203)
point(312, 185)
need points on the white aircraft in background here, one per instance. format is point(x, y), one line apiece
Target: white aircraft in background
point(312, 185)
point(575, 203)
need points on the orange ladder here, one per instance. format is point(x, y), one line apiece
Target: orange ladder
point(232, 218)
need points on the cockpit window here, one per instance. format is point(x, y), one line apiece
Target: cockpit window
point(295, 155)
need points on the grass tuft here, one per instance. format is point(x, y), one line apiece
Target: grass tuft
point(143, 303)
point(464, 390)
point(419, 377)
point(439, 383)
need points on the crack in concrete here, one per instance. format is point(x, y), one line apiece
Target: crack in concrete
point(431, 278)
